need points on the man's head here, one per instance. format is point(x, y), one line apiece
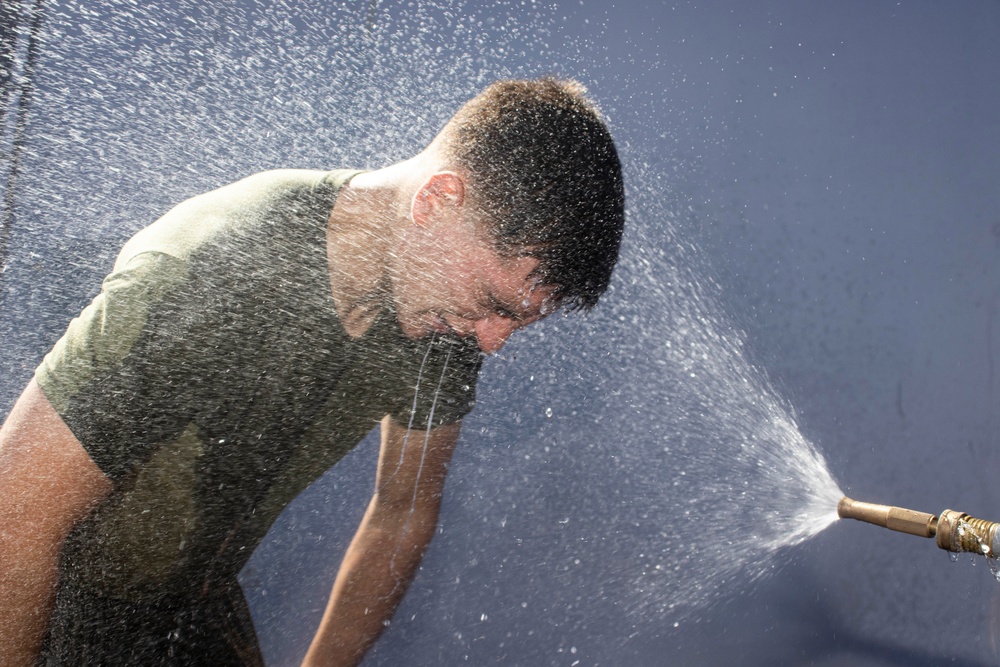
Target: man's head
point(543, 169)
point(519, 213)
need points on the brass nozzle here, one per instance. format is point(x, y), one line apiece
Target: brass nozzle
point(893, 518)
point(955, 531)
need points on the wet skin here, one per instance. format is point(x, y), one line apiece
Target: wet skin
point(451, 279)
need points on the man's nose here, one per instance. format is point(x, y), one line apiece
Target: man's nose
point(493, 332)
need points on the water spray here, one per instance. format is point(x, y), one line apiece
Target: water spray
point(955, 531)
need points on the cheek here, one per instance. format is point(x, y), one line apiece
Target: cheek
point(422, 290)
point(453, 281)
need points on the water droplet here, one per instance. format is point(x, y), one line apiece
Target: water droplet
point(994, 568)
point(548, 412)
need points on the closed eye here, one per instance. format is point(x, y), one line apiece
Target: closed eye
point(494, 305)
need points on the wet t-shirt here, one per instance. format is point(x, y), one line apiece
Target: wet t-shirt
point(212, 381)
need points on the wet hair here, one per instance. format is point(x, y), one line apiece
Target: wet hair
point(544, 169)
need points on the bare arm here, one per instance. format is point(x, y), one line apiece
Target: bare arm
point(47, 483)
point(386, 550)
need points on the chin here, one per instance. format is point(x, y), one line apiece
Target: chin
point(413, 329)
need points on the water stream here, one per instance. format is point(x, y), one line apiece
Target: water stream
point(698, 464)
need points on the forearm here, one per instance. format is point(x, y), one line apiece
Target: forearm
point(374, 575)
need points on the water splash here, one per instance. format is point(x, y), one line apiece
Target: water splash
point(745, 481)
point(682, 471)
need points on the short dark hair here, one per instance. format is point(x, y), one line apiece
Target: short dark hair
point(545, 170)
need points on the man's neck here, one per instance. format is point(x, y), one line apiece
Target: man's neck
point(361, 233)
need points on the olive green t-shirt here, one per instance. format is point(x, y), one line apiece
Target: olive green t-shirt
point(212, 381)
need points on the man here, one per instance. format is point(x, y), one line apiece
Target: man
point(247, 340)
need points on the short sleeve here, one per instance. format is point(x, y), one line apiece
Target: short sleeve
point(445, 390)
point(95, 375)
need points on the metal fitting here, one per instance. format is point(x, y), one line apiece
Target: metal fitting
point(958, 532)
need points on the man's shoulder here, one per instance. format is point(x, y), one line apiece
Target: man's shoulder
point(274, 179)
point(243, 207)
point(279, 181)
point(260, 191)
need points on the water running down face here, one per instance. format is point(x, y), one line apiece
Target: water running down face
point(448, 277)
point(471, 291)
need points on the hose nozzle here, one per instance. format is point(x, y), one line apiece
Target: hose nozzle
point(955, 531)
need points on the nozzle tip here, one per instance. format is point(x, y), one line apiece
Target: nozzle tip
point(844, 507)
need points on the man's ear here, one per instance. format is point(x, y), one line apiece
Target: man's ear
point(440, 197)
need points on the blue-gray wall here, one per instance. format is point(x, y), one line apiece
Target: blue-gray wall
point(836, 166)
